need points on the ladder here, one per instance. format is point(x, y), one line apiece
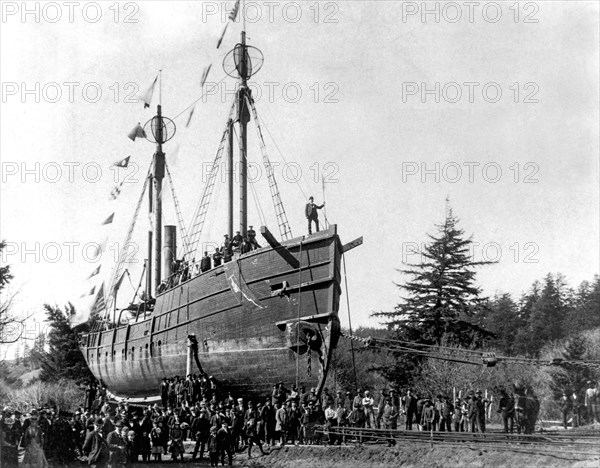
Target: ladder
point(282, 221)
point(202, 207)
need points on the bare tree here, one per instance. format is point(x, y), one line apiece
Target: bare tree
point(11, 327)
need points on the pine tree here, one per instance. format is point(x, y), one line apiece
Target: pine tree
point(572, 378)
point(442, 303)
point(548, 312)
point(523, 337)
point(585, 314)
point(64, 358)
point(504, 322)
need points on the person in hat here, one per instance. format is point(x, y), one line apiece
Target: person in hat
point(237, 240)
point(225, 443)
point(117, 446)
point(251, 235)
point(310, 211)
point(205, 263)
point(33, 443)
point(213, 446)
point(368, 404)
point(156, 437)
point(217, 257)
point(177, 449)
point(8, 439)
point(506, 408)
point(409, 403)
point(380, 406)
point(226, 249)
point(592, 402)
point(200, 429)
point(96, 447)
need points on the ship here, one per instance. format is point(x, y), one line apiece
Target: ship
point(268, 315)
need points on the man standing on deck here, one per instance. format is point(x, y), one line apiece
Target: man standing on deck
point(311, 214)
point(251, 235)
point(205, 263)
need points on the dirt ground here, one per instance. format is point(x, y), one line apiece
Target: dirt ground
point(380, 456)
point(408, 455)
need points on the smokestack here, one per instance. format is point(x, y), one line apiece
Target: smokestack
point(170, 250)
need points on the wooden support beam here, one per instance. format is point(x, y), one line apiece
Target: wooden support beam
point(280, 249)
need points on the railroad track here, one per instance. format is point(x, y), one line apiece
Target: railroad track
point(554, 444)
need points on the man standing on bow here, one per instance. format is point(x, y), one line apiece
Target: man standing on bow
point(311, 214)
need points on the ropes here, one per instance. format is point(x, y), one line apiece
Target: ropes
point(350, 323)
point(465, 356)
point(202, 207)
point(298, 323)
point(124, 249)
point(180, 221)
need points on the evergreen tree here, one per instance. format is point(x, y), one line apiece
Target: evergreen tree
point(64, 358)
point(572, 378)
point(442, 302)
point(523, 337)
point(504, 322)
point(585, 314)
point(546, 322)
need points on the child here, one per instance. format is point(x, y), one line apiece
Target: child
point(213, 446)
point(177, 448)
point(157, 441)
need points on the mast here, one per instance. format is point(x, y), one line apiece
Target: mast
point(230, 180)
point(243, 118)
point(158, 174)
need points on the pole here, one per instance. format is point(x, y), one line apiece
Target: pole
point(159, 174)
point(244, 118)
point(230, 173)
point(149, 268)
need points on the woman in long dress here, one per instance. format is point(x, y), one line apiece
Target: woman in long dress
point(33, 442)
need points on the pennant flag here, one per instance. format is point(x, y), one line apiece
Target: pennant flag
point(99, 303)
point(108, 220)
point(205, 75)
point(116, 191)
point(94, 273)
point(189, 120)
point(137, 132)
point(146, 96)
point(92, 291)
point(222, 35)
point(233, 13)
point(100, 248)
point(123, 162)
point(118, 283)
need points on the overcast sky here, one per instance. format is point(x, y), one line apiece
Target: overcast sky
point(493, 106)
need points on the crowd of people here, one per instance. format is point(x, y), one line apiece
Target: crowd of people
point(183, 270)
point(220, 425)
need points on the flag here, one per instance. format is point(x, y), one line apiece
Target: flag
point(189, 120)
point(99, 303)
point(222, 35)
point(205, 75)
point(108, 220)
point(100, 248)
point(118, 283)
point(137, 132)
point(146, 96)
point(94, 273)
point(116, 191)
point(233, 13)
point(123, 162)
point(92, 291)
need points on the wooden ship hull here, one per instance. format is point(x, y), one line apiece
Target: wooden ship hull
point(248, 317)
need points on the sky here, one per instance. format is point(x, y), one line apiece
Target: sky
point(398, 105)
